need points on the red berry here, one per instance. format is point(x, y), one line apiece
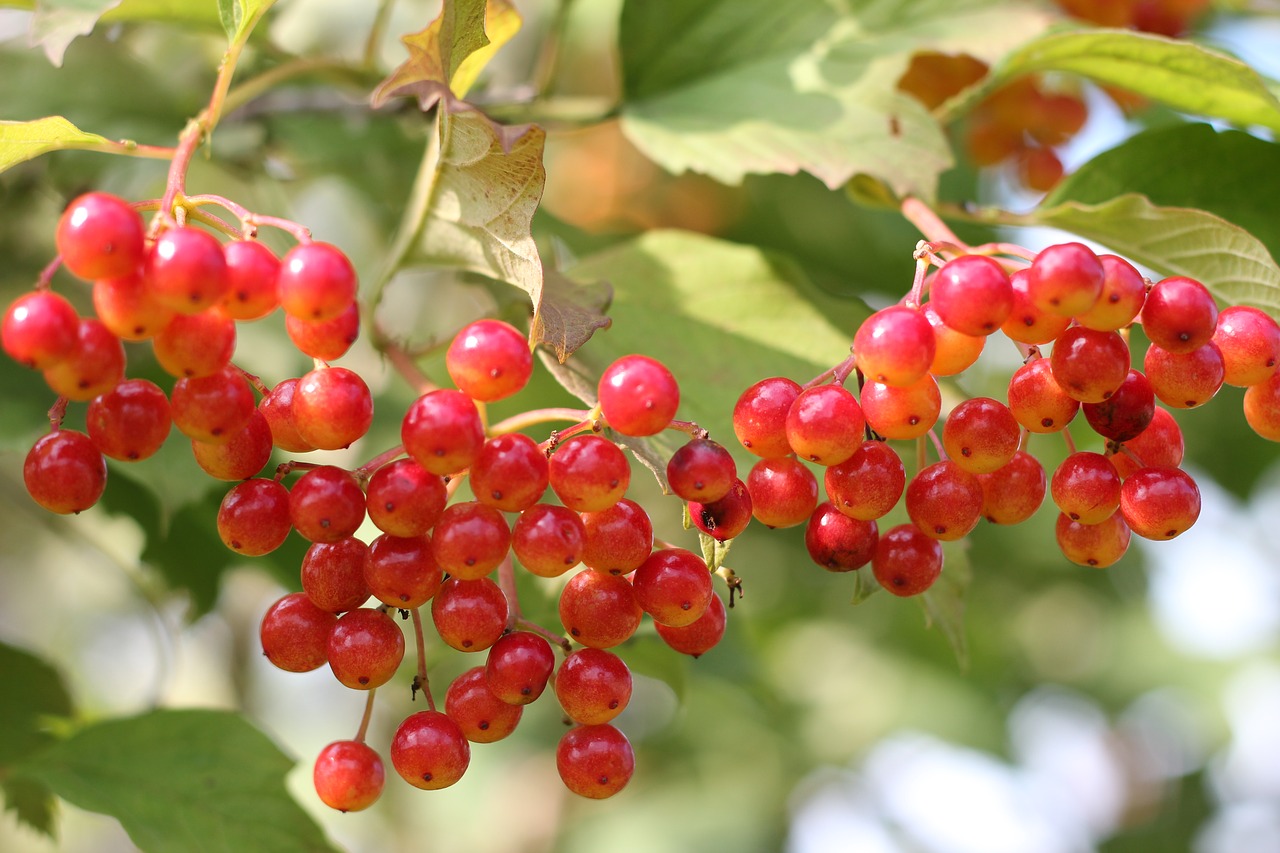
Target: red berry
point(1185, 380)
point(402, 571)
point(869, 483)
point(365, 648)
point(598, 609)
point(315, 282)
point(348, 776)
point(40, 329)
point(1160, 503)
point(1123, 292)
point(904, 412)
point(127, 308)
point(295, 633)
point(469, 615)
point(1089, 365)
point(253, 518)
point(673, 586)
point(510, 473)
point(332, 408)
point(442, 431)
point(333, 574)
point(251, 280)
point(94, 365)
point(1179, 314)
point(825, 424)
point(595, 761)
point(1249, 341)
point(518, 667)
point(100, 236)
point(638, 395)
point(481, 716)
point(593, 686)
point(131, 421)
point(1027, 323)
point(700, 636)
point(1012, 494)
point(470, 540)
point(589, 473)
point(277, 408)
point(1037, 401)
point(618, 539)
point(980, 435)
point(760, 416)
point(906, 561)
point(212, 408)
point(326, 504)
point(195, 344)
point(186, 270)
point(405, 499)
point(429, 751)
point(1094, 545)
point(783, 491)
point(248, 451)
point(327, 340)
point(972, 294)
point(837, 542)
point(1126, 413)
point(489, 360)
point(944, 501)
point(726, 518)
point(549, 540)
point(701, 470)
point(1086, 487)
point(894, 346)
point(64, 472)
point(1066, 279)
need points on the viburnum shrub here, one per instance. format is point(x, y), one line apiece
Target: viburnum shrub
point(449, 516)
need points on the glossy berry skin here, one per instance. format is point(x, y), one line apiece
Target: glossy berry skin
point(598, 609)
point(94, 366)
point(405, 499)
point(1185, 380)
point(1123, 292)
point(980, 435)
point(1179, 314)
point(253, 518)
point(954, 352)
point(197, 344)
point(39, 329)
point(1159, 445)
point(429, 751)
point(401, 571)
point(277, 408)
point(589, 473)
point(907, 562)
point(595, 761)
point(212, 408)
point(64, 472)
point(905, 412)
point(100, 236)
point(673, 586)
point(944, 501)
point(1086, 487)
point(784, 492)
point(469, 615)
point(315, 282)
point(825, 424)
point(700, 636)
point(510, 474)
point(326, 504)
point(548, 540)
point(1089, 365)
point(127, 309)
point(837, 542)
point(248, 451)
point(593, 686)
point(618, 539)
point(442, 431)
point(1066, 279)
point(251, 280)
point(1011, 494)
point(726, 518)
point(348, 776)
point(332, 408)
point(470, 540)
point(868, 484)
point(518, 667)
point(972, 294)
point(186, 270)
point(489, 360)
point(1126, 413)
point(295, 633)
point(333, 574)
point(1094, 545)
point(1026, 323)
point(481, 716)
point(894, 346)
point(760, 416)
point(638, 395)
point(1036, 400)
point(701, 470)
point(327, 340)
point(131, 421)
point(1160, 503)
point(365, 648)
point(1249, 341)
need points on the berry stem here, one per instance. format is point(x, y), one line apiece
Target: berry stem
point(365, 471)
point(57, 412)
point(284, 469)
point(937, 445)
point(922, 454)
point(927, 222)
point(690, 428)
point(1066, 436)
point(591, 422)
point(420, 681)
point(916, 295)
point(255, 381)
point(551, 637)
point(507, 583)
point(45, 280)
point(515, 423)
point(368, 715)
point(250, 220)
point(408, 369)
point(730, 577)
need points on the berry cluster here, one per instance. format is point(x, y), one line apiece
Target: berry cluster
point(1164, 17)
point(182, 289)
point(1080, 303)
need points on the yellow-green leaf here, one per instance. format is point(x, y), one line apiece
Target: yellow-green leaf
point(24, 140)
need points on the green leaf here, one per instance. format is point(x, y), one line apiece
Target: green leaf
point(23, 711)
point(1230, 261)
point(720, 315)
point(1228, 173)
point(733, 87)
point(237, 16)
point(569, 313)
point(943, 602)
point(57, 23)
point(1186, 76)
point(181, 781)
point(25, 140)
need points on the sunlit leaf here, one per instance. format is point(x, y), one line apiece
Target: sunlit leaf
point(181, 781)
point(733, 87)
point(569, 313)
point(57, 23)
point(23, 140)
point(38, 693)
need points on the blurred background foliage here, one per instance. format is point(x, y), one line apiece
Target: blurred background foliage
point(1129, 709)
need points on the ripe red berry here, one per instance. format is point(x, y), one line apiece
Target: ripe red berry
point(638, 395)
point(1089, 365)
point(1249, 341)
point(333, 574)
point(599, 610)
point(212, 408)
point(972, 294)
point(618, 539)
point(894, 346)
point(295, 633)
point(1179, 314)
point(1094, 545)
point(1012, 494)
point(760, 416)
point(549, 540)
point(1066, 279)
point(825, 424)
point(469, 615)
point(131, 421)
point(1160, 503)
point(726, 518)
point(593, 686)
point(251, 280)
point(253, 518)
point(40, 329)
point(518, 667)
point(248, 451)
point(954, 352)
point(944, 501)
point(784, 492)
point(701, 470)
point(1126, 413)
point(429, 751)
point(1159, 445)
point(481, 716)
point(127, 308)
point(868, 484)
point(905, 412)
point(673, 586)
point(365, 647)
point(64, 472)
point(326, 504)
point(1185, 380)
point(700, 636)
point(100, 236)
point(980, 435)
point(442, 431)
point(315, 282)
point(1123, 292)
point(94, 365)
point(327, 340)
point(595, 761)
point(489, 360)
point(348, 776)
point(332, 408)
point(470, 540)
point(1037, 401)
point(1086, 487)
point(277, 408)
point(907, 562)
point(195, 344)
point(589, 473)
point(401, 571)
point(1027, 323)
point(405, 499)
point(837, 542)
point(510, 473)
point(186, 270)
